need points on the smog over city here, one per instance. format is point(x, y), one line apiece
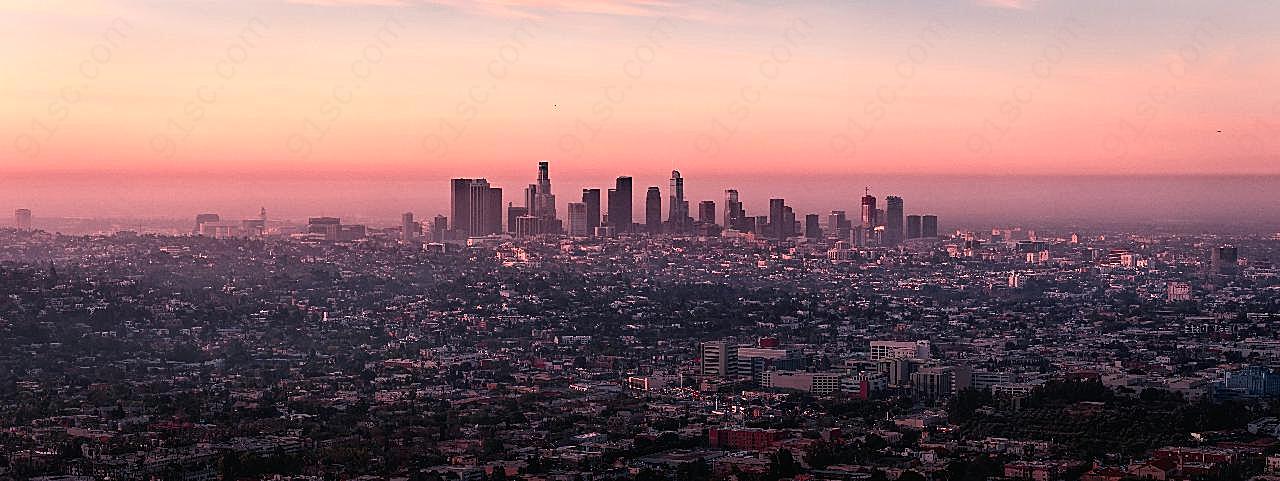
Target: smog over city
point(594, 240)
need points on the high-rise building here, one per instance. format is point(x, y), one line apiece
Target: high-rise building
point(707, 212)
point(778, 225)
point(893, 220)
point(719, 359)
point(868, 211)
point(22, 219)
point(591, 197)
point(913, 226)
point(733, 212)
point(839, 225)
point(578, 219)
point(811, 228)
point(620, 205)
point(542, 202)
point(439, 228)
point(653, 210)
point(201, 219)
point(1223, 259)
point(678, 216)
point(408, 228)
point(515, 212)
point(476, 207)
point(929, 226)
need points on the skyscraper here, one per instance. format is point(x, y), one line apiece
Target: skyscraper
point(578, 219)
point(929, 226)
point(515, 212)
point(893, 221)
point(439, 227)
point(868, 210)
point(476, 207)
point(22, 219)
point(408, 228)
point(620, 205)
point(653, 210)
point(543, 200)
point(591, 197)
point(707, 212)
point(733, 212)
point(839, 225)
point(913, 226)
point(678, 217)
point(811, 228)
point(778, 223)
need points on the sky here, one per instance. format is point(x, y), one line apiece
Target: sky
point(431, 89)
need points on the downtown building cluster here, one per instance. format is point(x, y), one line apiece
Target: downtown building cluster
point(476, 210)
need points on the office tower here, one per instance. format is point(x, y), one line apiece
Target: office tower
point(514, 212)
point(653, 210)
point(439, 226)
point(789, 224)
point(620, 205)
point(839, 224)
point(760, 225)
point(539, 199)
point(22, 219)
point(719, 359)
point(678, 217)
point(476, 207)
point(733, 212)
point(893, 220)
point(929, 226)
point(578, 219)
point(591, 197)
point(811, 228)
point(408, 228)
point(776, 229)
point(868, 211)
point(203, 218)
point(707, 212)
point(879, 218)
point(913, 226)
point(527, 225)
point(1222, 259)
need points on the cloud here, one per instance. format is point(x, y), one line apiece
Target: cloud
point(1008, 4)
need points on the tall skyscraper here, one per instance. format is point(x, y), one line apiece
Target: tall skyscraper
point(620, 205)
point(515, 212)
point(811, 228)
point(913, 226)
point(733, 212)
point(653, 210)
point(439, 228)
point(778, 223)
point(893, 221)
point(408, 228)
point(678, 217)
point(929, 226)
point(591, 197)
point(839, 225)
point(22, 219)
point(476, 207)
point(707, 212)
point(578, 219)
point(868, 210)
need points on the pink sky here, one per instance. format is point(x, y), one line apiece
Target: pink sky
point(447, 87)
